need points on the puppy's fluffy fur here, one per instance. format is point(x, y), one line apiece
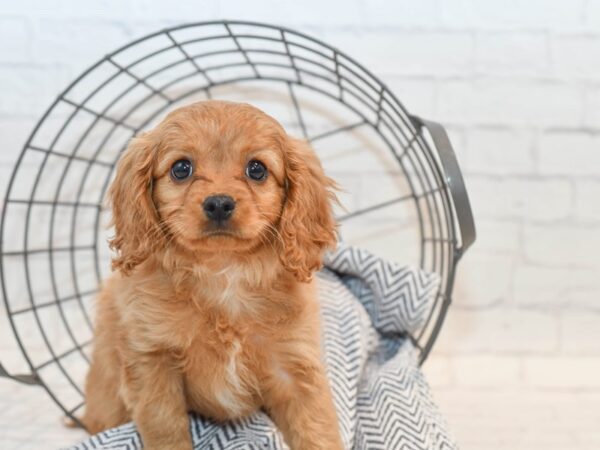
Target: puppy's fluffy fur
point(221, 321)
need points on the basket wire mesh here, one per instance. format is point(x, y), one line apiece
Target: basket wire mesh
point(54, 224)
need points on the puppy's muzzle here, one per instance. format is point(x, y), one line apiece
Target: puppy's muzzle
point(218, 208)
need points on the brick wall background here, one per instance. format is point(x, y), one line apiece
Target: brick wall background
point(517, 83)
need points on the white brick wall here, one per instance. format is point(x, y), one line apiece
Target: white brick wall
point(517, 84)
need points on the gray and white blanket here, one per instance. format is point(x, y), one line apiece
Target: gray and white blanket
point(381, 396)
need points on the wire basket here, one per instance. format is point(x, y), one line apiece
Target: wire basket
point(403, 198)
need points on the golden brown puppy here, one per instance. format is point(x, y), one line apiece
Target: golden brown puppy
point(221, 220)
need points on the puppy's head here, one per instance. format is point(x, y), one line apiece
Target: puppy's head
point(221, 177)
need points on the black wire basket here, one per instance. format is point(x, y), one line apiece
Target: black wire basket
point(403, 197)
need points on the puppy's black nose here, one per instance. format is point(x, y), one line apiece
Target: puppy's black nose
point(218, 207)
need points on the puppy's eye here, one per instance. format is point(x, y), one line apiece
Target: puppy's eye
point(181, 169)
point(256, 170)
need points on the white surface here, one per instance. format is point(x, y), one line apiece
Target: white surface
point(518, 420)
point(481, 419)
point(30, 420)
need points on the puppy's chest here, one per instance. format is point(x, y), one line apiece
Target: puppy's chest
point(226, 356)
point(220, 371)
point(228, 291)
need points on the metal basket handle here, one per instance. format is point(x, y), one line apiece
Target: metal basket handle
point(30, 379)
point(454, 179)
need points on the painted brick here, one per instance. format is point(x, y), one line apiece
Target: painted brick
point(293, 13)
point(514, 14)
point(562, 245)
point(587, 298)
point(500, 151)
point(592, 15)
point(523, 331)
point(404, 13)
point(587, 200)
point(493, 101)
point(562, 372)
point(569, 153)
point(469, 291)
point(497, 237)
point(439, 371)
point(576, 57)
point(513, 198)
point(15, 35)
point(28, 7)
point(592, 108)
point(462, 332)
point(195, 11)
point(14, 133)
point(486, 371)
point(552, 287)
point(28, 89)
point(72, 9)
point(501, 419)
point(511, 54)
point(499, 330)
point(416, 94)
point(62, 41)
point(407, 53)
point(580, 333)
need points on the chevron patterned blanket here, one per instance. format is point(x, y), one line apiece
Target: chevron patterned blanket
point(381, 396)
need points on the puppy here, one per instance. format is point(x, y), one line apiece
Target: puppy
point(220, 221)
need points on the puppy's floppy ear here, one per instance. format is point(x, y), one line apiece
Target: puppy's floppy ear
point(307, 226)
point(137, 232)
